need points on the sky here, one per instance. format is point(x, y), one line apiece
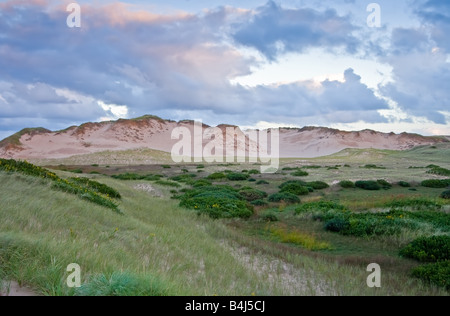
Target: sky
point(253, 63)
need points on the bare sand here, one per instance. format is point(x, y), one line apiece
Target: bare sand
point(13, 289)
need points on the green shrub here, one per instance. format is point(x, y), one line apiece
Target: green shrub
point(234, 176)
point(166, 166)
point(384, 184)
point(97, 187)
point(368, 185)
point(285, 196)
point(250, 194)
point(434, 273)
point(300, 173)
point(134, 176)
point(371, 166)
point(201, 183)
point(294, 188)
point(76, 171)
point(184, 178)
point(290, 168)
point(201, 167)
point(262, 182)
point(312, 167)
point(217, 202)
point(259, 203)
point(428, 249)
point(269, 216)
point(439, 171)
point(435, 183)
point(445, 195)
point(317, 185)
point(337, 225)
point(415, 203)
point(346, 184)
point(320, 206)
point(168, 183)
point(216, 176)
point(254, 171)
point(404, 184)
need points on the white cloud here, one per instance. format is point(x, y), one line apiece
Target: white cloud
point(114, 111)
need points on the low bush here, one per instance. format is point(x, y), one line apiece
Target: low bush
point(384, 184)
point(262, 182)
point(439, 171)
point(435, 273)
point(346, 184)
point(166, 167)
point(269, 216)
point(368, 185)
point(415, 203)
point(254, 171)
point(216, 176)
point(371, 166)
point(318, 185)
point(285, 196)
point(200, 183)
point(320, 206)
point(445, 195)
point(294, 188)
point(428, 249)
point(217, 202)
point(259, 203)
point(300, 173)
point(168, 183)
point(134, 176)
point(435, 183)
point(183, 178)
point(234, 176)
point(304, 240)
point(97, 187)
point(404, 184)
point(251, 195)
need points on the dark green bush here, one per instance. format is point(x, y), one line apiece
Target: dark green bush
point(259, 203)
point(368, 185)
point(346, 184)
point(254, 171)
point(234, 176)
point(415, 203)
point(250, 194)
point(269, 216)
point(337, 225)
point(286, 197)
point(435, 183)
point(300, 173)
point(439, 171)
point(134, 176)
point(261, 182)
point(184, 178)
point(166, 166)
point(320, 206)
point(404, 184)
point(428, 249)
point(217, 176)
point(434, 273)
point(217, 202)
point(317, 185)
point(295, 188)
point(76, 171)
point(97, 187)
point(445, 195)
point(384, 184)
point(371, 166)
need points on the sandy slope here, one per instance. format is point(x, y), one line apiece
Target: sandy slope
point(156, 134)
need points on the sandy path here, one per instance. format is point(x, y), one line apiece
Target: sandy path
point(13, 289)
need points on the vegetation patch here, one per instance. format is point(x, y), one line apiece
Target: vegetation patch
point(134, 176)
point(435, 183)
point(300, 173)
point(304, 240)
point(284, 196)
point(346, 184)
point(234, 176)
point(320, 206)
point(251, 195)
point(445, 195)
point(435, 273)
point(428, 249)
point(368, 185)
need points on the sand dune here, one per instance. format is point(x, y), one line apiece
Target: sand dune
point(154, 133)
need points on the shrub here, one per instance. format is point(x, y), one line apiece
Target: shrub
point(184, 178)
point(445, 195)
point(428, 249)
point(298, 238)
point(269, 216)
point(217, 202)
point(254, 171)
point(415, 203)
point(371, 166)
point(434, 273)
point(404, 184)
point(134, 176)
point(435, 183)
point(290, 168)
point(346, 184)
point(295, 188)
point(76, 171)
point(252, 180)
point(384, 184)
point(321, 206)
point(259, 203)
point(201, 183)
point(300, 173)
point(439, 171)
point(262, 182)
point(234, 176)
point(318, 185)
point(97, 187)
point(368, 185)
point(201, 167)
point(216, 176)
point(168, 183)
point(166, 167)
point(252, 194)
point(337, 225)
point(285, 196)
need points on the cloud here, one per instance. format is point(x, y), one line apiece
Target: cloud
point(274, 30)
